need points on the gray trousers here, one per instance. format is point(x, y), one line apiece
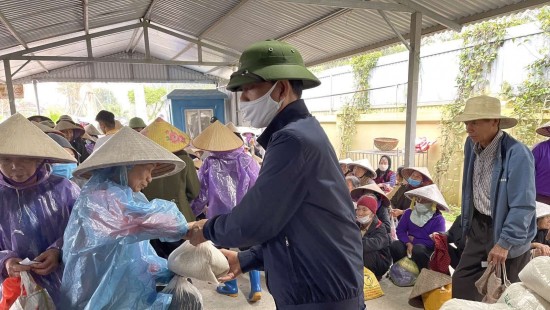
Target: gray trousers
point(479, 243)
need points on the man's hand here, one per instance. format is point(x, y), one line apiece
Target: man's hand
point(234, 265)
point(48, 262)
point(497, 255)
point(409, 249)
point(195, 233)
point(14, 268)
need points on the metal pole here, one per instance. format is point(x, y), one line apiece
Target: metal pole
point(9, 86)
point(34, 83)
point(412, 87)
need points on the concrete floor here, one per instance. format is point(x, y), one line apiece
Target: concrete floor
point(394, 297)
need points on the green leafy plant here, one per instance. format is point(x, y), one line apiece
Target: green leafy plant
point(362, 66)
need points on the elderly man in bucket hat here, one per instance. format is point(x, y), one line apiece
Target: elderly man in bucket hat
point(498, 197)
point(298, 217)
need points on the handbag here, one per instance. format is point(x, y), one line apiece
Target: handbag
point(493, 283)
point(36, 297)
point(440, 259)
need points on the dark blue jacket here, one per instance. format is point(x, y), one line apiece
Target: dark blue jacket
point(299, 218)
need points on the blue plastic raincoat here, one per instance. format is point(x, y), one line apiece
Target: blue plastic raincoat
point(33, 220)
point(109, 263)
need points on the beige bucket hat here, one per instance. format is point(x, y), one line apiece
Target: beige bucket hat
point(544, 130)
point(364, 163)
point(485, 107)
point(429, 280)
point(48, 123)
point(429, 192)
point(66, 125)
point(166, 135)
point(20, 138)
point(217, 138)
point(542, 210)
point(406, 172)
point(91, 130)
point(370, 188)
point(129, 147)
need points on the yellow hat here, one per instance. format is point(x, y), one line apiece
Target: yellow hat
point(166, 135)
point(217, 138)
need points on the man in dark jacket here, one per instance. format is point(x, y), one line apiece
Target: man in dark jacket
point(298, 217)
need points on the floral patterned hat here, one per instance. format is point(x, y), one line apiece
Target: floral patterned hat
point(166, 135)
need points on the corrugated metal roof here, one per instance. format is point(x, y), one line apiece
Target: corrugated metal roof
point(121, 72)
point(321, 33)
point(196, 93)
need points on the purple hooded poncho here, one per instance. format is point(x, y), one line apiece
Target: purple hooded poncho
point(33, 220)
point(225, 178)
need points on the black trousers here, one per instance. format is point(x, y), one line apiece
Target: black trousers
point(479, 243)
point(376, 263)
point(420, 253)
point(164, 249)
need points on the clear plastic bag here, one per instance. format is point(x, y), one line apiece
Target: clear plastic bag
point(34, 298)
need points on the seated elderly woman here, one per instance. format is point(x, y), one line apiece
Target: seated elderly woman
point(416, 177)
point(418, 223)
point(383, 207)
point(363, 170)
point(541, 243)
point(35, 204)
point(352, 182)
point(109, 262)
point(376, 242)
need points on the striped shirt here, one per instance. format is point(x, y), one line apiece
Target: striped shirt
point(483, 172)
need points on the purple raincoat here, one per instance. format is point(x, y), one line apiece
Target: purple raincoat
point(33, 220)
point(225, 178)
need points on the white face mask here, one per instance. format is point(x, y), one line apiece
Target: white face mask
point(383, 167)
point(260, 112)
point(364, 220)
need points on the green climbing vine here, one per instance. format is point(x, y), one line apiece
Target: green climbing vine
point(481, 43)
point(533, 95)
point(362, 66)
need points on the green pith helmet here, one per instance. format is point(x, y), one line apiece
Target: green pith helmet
point(136, 122)
point(271, 60)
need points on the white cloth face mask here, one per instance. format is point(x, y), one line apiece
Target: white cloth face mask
point(260, 112)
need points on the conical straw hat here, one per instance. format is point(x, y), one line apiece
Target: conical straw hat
point(430, 192)
point(166, 135)
point(406, 172)
point(217, 138)
point(370, 188)
point(45, 129)
point(20, 138)
point(364, 163)
point(66, 125)
point(91, 130)
point(544, 130)
point(429, 280)
point(129, 147)
point(86, 136)
point(232, 127)
point(39, 118)
point(345, 161)
point(542, 210)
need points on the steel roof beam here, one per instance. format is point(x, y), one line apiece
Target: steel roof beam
point(354, 4)
point(16, 35)
point(184, 50)
point(451, 24)
point(71, 41)
point(147, 16)
point(318, 22)
point(86, 17)
point(23, 66)
point(195, 41)
point(388, 21)
point(126, 61)
point(222, 19)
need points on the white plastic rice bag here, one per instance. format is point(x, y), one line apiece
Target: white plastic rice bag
point(185, 296)
point(203, 262)
point(536, 276)
point(518, 296)
point(461, 304)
